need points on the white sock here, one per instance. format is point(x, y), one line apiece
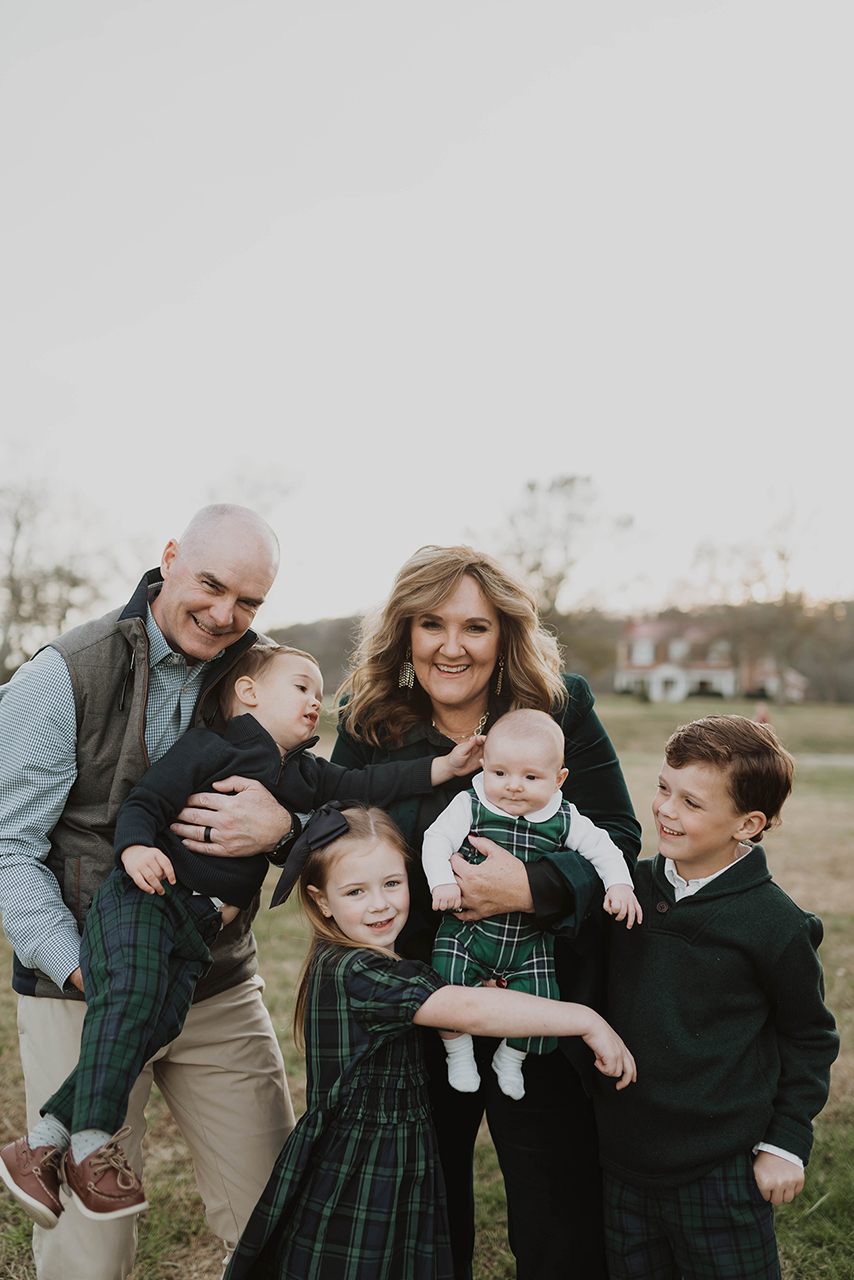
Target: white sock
point(87, 1141)
point(462, 1068)
point(49, 1132)
point(507, 1065)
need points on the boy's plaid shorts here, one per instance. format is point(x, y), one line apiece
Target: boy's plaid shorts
point(718, 1227)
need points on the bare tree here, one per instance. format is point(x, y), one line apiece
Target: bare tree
point(38, 587)
point(542, 536)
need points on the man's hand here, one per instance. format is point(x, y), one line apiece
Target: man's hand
point(779, 1180)
point(620, 901)
point(76, 979)
point(244, 823)
point(460, 762)
point(446, 897)
point(493, 887)
point(148, 868)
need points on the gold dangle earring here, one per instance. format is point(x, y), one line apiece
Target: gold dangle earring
point(406, 675)
point(500, 674)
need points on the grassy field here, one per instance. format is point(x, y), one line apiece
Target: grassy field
point(810, 856)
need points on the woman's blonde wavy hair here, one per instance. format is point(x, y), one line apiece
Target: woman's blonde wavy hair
point(378, 711)
point(367, 827)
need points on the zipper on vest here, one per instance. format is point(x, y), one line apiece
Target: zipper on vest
point(127, 677)
point(144, 705)
point(130, 671)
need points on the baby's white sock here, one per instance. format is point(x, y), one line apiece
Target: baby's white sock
point(49, 1132)
point(462, 1068)
point(507, 1065)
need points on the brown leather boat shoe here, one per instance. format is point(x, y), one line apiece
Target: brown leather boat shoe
point(104, 1186)
point(32, 1176)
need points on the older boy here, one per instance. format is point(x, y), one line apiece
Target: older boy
point(720, 995)
point(146, 943)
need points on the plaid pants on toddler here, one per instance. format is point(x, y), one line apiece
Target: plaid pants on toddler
point(141, 957)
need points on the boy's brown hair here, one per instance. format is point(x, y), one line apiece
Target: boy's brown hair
point(759, 771)
point(255, 659)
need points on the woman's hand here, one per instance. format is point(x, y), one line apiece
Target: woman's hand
point(493, 887)
point(246, 822)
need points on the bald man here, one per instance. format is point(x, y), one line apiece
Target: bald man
point(80, 724)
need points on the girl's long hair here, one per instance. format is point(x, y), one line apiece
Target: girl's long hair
point(378, 711)
point(367, 827)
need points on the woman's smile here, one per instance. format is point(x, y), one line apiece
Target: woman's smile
point(454, 651)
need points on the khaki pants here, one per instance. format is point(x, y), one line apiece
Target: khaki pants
point(224, 1082)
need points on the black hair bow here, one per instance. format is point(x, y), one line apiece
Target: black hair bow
point(325, 825)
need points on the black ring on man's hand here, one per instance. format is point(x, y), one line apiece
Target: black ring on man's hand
point(207, 836)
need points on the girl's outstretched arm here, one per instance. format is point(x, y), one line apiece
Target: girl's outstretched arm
point(489, 1011)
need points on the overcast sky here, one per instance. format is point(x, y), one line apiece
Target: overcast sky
point(374, 265)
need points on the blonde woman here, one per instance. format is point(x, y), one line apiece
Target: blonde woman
point(458, 643)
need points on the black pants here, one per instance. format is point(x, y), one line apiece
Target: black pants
point(549, 1155)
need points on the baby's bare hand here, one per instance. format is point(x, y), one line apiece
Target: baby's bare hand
point(447, 897)
point(620, 901)
point(148, 868)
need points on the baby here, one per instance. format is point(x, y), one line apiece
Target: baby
point(517, 802)
point(151, 923)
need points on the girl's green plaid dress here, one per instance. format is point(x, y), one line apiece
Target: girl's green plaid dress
point(357, 1192)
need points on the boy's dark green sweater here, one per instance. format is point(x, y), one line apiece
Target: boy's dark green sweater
point(720, 997)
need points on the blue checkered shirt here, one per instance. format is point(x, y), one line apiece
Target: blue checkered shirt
point(38, 766)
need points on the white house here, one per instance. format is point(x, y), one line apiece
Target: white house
point(671, 658)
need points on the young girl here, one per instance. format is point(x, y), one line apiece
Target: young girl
point(357, 1192)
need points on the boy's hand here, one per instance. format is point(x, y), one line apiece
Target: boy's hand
point(447, 897)
point(460, 762)
point(620, 901)
point(612, 1056)
point(228, 913)
point(779, 1180)
point(147, 867)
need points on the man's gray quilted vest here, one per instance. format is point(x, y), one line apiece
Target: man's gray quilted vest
point(110, 697)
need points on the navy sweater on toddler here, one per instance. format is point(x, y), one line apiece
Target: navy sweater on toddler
point(300, 782)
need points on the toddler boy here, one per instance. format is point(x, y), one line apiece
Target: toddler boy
point(720, 996)
point(145, 944)
point(516, 801)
